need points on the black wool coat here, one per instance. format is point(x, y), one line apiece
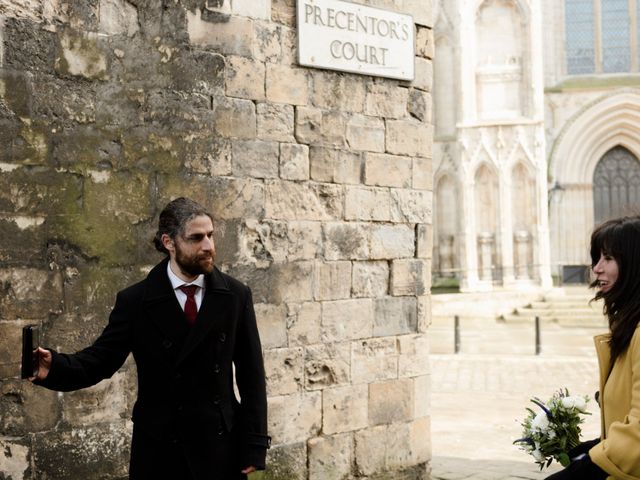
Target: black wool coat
point(188, 423)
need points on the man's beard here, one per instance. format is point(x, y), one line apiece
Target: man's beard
point(195, 265)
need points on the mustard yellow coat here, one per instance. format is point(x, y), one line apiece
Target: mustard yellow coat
point(619, 451)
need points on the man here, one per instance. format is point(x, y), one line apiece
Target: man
point(187, 325)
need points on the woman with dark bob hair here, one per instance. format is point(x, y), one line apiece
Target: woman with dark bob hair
point(615, 261)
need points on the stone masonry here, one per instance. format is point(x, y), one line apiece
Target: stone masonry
point(321, 186)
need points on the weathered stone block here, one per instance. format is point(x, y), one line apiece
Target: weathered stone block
point(391, 401)
point(289, 37)
point(330, 457)
point(411, 206)
point(255, 158)
point(337, 166)
point(294, 161)
point(405, 137)
point(304, 322)
point(423, 173)
point(27, 46)
point(420, 440)
point(367, 204)
point(16, 92)
point(370, 279)
point(272, 324)
point(284, 11)
point(424, 237)
point(15, 458)
point(420, 105)
point(333, 92)
point(29, 293)
point(387, 100)
point(425, 46)
point(344, 409)
point(414, 356)
point(366, 133)
point(392, 241)
point(244, 78)
point(268, 46)
point(410, 277)
point(287, 85)
point(308, 201)
point(382, 448)
point(286, 462)
point(85, 452)
point(327, 365)
point(321, 127)
point(227, 34)
point(422, 396)
point(22, 241)
point(235, 118)
point(374, 360)
point(395, 316)
point(424, 313)
point(296, 417)
point(284, 369)
point(118, 17)
point(290, 282)
point(198, 71)
point(346, 241)
point(347, 320)
point(87, 147)
point(107, 402)
point(275, 122)
point(423, 74)
point(25, 408)
point(81, 56)
point(208, 155)
point(280, 241)
point(333, 280)
point(382, 170)
point(421, 10)
point(63, 102)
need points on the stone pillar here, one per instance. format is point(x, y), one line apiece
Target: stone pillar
point(522, 243)
point(486, 241)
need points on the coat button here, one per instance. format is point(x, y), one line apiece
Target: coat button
point(167, 344)
point(216, 368)
point(222, 337)
point(216, 400)
point(220, 432)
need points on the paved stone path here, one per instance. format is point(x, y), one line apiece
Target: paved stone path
point(478, 401)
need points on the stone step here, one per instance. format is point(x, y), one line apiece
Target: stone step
point(557, 312)
point(562, 320)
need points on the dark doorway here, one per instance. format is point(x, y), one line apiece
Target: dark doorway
point(616, 185)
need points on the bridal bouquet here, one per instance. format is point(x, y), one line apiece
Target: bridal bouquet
point(552, 431)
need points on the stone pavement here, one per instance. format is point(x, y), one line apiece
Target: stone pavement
point(478, 399)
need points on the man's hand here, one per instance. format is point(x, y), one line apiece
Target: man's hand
point(248, 470)
point(44, 364)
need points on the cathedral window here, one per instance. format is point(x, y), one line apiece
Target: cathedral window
point(600, 36)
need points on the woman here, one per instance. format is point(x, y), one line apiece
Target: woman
point(615, 257)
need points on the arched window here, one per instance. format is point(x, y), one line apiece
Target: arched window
point(616, 185)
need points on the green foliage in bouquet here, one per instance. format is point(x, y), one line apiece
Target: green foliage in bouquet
point(550, 433)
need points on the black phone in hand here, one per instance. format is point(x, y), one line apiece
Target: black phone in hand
point(30, 343)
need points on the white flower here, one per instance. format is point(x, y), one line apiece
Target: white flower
point(551, 434)
point(537, 454)
point(540, 423)
point(574, 402)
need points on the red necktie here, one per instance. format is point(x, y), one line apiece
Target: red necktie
point(190, 307)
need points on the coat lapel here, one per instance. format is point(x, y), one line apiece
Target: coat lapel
point(215, 303)
point(162, 305)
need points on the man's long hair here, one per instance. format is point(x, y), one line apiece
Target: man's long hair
point(620, 238)
point(174, 218)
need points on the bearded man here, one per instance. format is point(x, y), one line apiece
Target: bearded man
point(188, 325)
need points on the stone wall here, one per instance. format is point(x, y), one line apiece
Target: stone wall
point(321, 186)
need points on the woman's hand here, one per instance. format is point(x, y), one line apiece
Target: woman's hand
point(44, 364)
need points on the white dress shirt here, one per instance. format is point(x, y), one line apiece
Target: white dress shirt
point(176, 283)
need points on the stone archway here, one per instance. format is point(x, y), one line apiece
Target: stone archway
point(616, 185)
